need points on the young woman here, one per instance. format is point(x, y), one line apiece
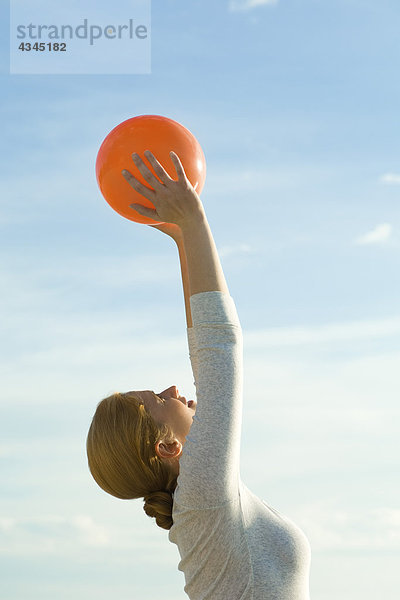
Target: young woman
point(183, 457)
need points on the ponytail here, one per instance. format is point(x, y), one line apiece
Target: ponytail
point(159, 506)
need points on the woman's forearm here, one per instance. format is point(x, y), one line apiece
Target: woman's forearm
point(203, 264)
point(185, 280)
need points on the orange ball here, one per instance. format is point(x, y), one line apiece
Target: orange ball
point(158, 134)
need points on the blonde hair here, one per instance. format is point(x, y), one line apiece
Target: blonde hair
point(122, 458)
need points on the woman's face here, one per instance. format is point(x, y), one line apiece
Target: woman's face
point(169, 408)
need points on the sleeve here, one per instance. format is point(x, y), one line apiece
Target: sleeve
point(209, 465)
point(192, 351)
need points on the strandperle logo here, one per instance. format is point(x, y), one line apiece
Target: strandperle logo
point(83, 32)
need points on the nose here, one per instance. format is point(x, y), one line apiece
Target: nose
point(171, 392)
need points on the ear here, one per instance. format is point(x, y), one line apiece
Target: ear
point(168, 450)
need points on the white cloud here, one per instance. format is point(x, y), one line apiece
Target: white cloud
point(50, 533)
point(390, 179)
point(126, 532)
point(380, 235)
point(240, 179)
point(46, 287)
point(241, 5)
point(335, 528)
point(324, 334)
point(226, 251)
point(90, 533)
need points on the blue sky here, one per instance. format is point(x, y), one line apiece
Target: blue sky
point(296, 107)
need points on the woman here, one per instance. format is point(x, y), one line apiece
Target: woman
point(183, 457)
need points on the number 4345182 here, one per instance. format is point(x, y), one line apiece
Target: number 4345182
point(42, 46)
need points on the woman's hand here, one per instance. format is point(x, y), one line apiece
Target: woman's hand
point(175, 201)
point(174, 231)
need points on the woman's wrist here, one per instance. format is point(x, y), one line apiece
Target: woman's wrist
point(171, 230)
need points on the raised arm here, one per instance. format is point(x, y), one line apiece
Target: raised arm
point(209, 467)
point(177, 202)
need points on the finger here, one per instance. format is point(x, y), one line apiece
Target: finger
point(139, 187)
point(180, 171)
point(145, 211)
point(158, 168)
point(145, 171)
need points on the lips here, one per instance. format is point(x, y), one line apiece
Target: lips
point(189, 404)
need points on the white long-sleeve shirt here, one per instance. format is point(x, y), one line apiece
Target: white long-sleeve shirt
point(233, 546)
